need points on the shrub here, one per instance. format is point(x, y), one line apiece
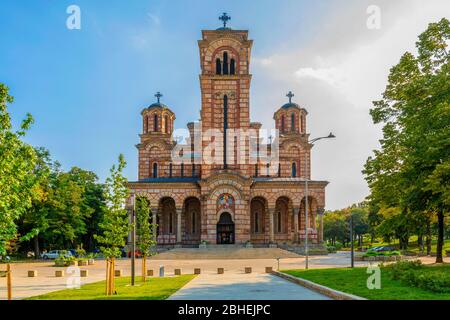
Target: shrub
point(338, 246)
point(413, 273)
point(331, 249)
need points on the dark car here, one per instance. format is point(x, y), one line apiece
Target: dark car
point(384, 248)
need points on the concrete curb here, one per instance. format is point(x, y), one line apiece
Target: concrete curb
point(334, 294)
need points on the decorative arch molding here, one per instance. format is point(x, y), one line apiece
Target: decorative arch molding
point(191, 194)
point(291, 196)
point(226, 43)
point(224, 188)
point(219, 213)
point(155, 144)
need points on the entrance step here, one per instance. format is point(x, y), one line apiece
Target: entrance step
point(223, 252)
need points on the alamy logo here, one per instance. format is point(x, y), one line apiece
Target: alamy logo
point(374, 20)
point(374, 280)
point(74, 20)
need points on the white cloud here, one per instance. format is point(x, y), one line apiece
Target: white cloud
point(336, 76)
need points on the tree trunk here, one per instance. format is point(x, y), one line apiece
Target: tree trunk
point(36, 247)
point(428, 237)
point(144, 267)
point(440, 239)
point(420, 242)
point(107, 277)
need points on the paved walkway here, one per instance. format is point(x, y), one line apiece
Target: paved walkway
point(241, 286)
point(46, 281)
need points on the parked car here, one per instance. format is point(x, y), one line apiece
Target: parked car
point(54, 254)
point(382, 249)
point(137, 254)
point(73, 252)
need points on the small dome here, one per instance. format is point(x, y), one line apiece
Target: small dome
point(158, 105)
point(290, 105)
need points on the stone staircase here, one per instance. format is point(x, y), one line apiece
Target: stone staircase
point(313, 248)
point(224, 252)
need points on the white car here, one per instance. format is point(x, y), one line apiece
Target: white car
point(54, 254)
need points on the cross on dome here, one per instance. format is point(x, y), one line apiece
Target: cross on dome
point(158, 96)
point(290, 95)
point(225, 18)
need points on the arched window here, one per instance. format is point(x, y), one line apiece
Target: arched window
point(155, 170)
point(301, 124)
point(279, 222)
point(193, 170)
point(218, 66)
point(294, 169)
point(155, 123)
point(293, 122)
point(170, 170)
point(166, 123)
point(232, 66)
point(145, 124)
point(256, 222)
point(171, 222)
point(279, 170)
point(256, 170)
point(282, 123)
point(268, 169)
point(225, 63)
point(182, 170)
point(194, 222)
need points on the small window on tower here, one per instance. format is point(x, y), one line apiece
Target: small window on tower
point(218, 66)
point(282, 123)
point(225, 62)
point(155, 123)
point(232, 66)
point(293, 122)
point(166, 123)
point(294, 170)
point(155, 170)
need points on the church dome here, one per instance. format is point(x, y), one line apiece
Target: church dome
point(290, 105)
point(157, 105)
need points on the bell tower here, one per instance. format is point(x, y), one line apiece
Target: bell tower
point(225, 90)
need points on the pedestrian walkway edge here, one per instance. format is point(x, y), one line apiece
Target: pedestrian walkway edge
point(334, 294)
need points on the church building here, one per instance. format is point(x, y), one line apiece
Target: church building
point(242, 197)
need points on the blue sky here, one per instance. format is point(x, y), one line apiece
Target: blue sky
point(86, 88)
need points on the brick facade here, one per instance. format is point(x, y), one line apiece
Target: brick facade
point(235, 199)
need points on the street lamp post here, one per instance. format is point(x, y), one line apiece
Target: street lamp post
point(352, 254)
point(330, 136)
point(133, 239)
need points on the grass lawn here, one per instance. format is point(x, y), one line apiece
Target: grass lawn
point(354, 281)
point(153, 289)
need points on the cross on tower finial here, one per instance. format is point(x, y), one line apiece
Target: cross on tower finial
point(225, 18)
point(158, 95)
point(290, 95)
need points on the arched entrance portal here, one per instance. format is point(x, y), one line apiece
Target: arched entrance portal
point(225, 229)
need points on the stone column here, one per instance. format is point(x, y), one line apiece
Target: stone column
point(320, 211)
point(179, 210)
point(296, 237)
point(154, 226)
point(271, 225)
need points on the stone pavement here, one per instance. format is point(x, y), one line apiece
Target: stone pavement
point(46, 281)
point(241, 286)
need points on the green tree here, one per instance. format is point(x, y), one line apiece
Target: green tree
point(144, 231)
point(17, 161)
point(415, 149)
point(35, 220)
point(114, 224)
